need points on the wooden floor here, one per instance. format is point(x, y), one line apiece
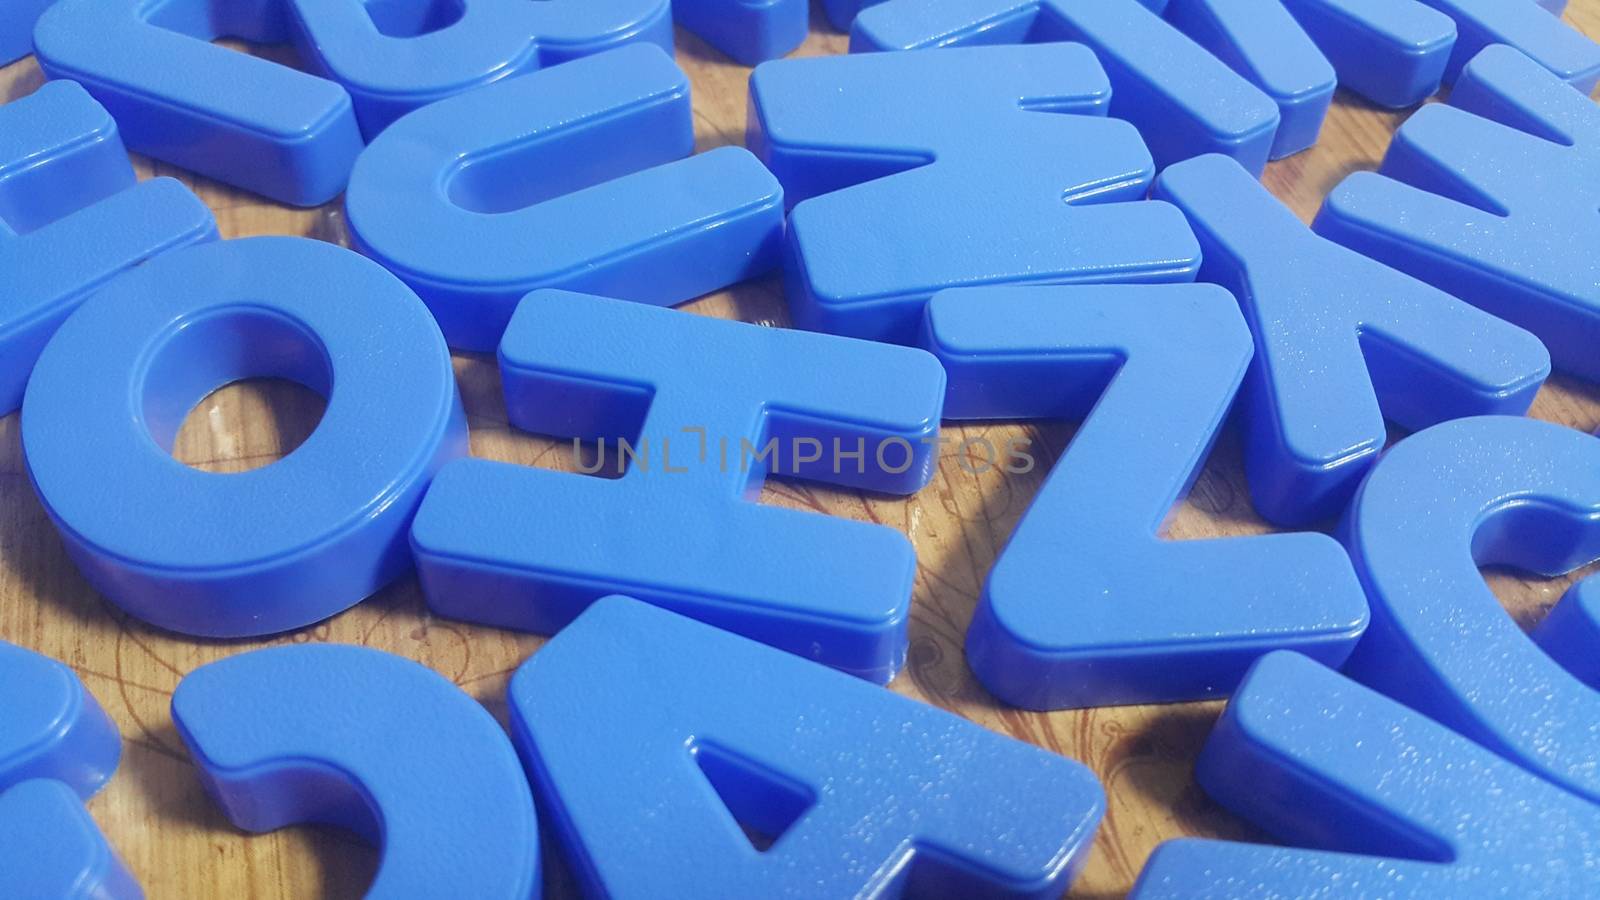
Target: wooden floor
point(178, 845)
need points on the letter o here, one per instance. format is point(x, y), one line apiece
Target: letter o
point(263, 551)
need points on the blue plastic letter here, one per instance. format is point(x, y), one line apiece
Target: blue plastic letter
point(1393, 805)
point(1396, 52)
point(1184, 101)
point(1496, 199)
point(653, 739)
point(841, 13)
point(57, 748)
point(271, 549)
point(72, 217)
point(1341, 342)
point(1571, 632)
point(986, 183)
point(1261, 41)
point(16, 27)
point(1392, 52)
point(51, 849)
point(249, 122)
point(290, 135)
point(1088, 606)
point(1522, 24)
point(1477, 492)
point(394, 56)
point(710, 408)
point(375, 744)
point(50, 725)
point(750, 31)
point(574, 177)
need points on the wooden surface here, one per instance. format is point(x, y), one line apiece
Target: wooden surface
point(178, 845)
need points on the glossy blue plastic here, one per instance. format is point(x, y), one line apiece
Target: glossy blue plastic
point(749, 31)
point(50, 725)
point(710, 408)
point(57, 748)
point(1342, 342)
point(271, 549)
point(245, 121)
point(16, 27)
point(1392, 52)
point(1535, 28)
point(1088, 605)
point(1397, 52)
point(51, 849)
point(291, 135)
point(1261, 41)
point(1486, 491)
point(1184, 100)
point(72, 216)
point(577, 177)
point(1570, 632)
point(841, 13)
point(1496, 199)
point(913, 172)
point(373, 743)
point(1388, 803)
point(396, 57)
point(652, 739)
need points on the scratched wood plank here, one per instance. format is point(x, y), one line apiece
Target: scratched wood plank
point(179, 846)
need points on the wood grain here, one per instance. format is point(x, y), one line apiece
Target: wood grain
point(178, 845)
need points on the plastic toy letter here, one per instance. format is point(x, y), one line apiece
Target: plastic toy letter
point(1392, 52)
point(1397, 52)
point(1184, 100)
point(1496, 199)
point(287, 134)
point(1487, 491)
point(1532, 26)
point(245, 121)
point(1088, 606)
point(654, 738)
point(750, 31)
point(278, 547)
point(987, 181)
point(375, 744)
point(1340, 349)
point(51, 727)
point(71, 218)
point(576, 177)
point(709, 408)
point(1260, 40)
point(1391, 803)
point(16, 27)
point(57, 748)
point(1571, 631)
